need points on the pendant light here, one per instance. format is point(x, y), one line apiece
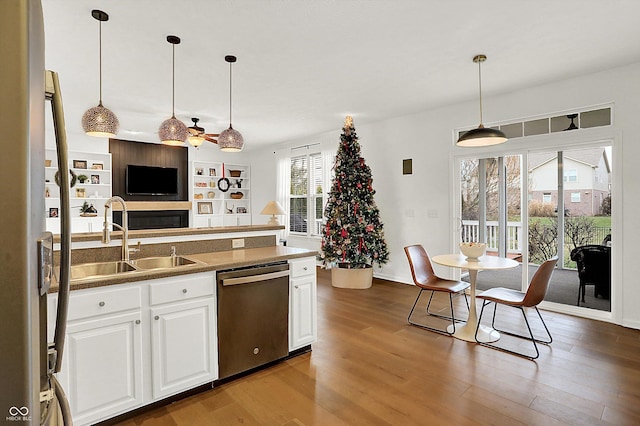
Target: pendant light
point(196, 133)
point(230, 140)
point(173, 131)
point(100, 121)
point(481, 136)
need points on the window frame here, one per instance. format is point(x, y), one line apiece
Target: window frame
point(313, 162)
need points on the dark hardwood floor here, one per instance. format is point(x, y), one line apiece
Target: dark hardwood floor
point(370, 368)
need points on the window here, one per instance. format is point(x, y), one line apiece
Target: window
point(546, 197)
point(306, 195)
point(571, 176)
point(575, 197)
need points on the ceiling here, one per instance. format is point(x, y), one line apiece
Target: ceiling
point(304, 64)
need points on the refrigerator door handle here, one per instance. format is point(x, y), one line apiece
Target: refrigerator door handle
point(52, 88)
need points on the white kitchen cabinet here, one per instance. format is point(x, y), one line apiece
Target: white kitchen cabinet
point(183, 335)
point(129, 345)
point(102, 360)
point(303, 303)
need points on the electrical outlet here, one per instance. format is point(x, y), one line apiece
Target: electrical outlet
point(237, 243)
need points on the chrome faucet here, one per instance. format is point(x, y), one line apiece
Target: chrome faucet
point(106, 234)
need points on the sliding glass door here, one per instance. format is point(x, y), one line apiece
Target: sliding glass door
point(568, 202)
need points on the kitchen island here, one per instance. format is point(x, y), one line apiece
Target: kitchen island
point(150, 335)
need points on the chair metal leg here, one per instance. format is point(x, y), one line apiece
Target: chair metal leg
point(529, 337)
point(437, 330)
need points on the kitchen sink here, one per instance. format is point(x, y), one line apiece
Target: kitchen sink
point(98, 269)
point(163, 262)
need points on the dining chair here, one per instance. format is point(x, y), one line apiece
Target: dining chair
point(521, 300)
point(426, 279)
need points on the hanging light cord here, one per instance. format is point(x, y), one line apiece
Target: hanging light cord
point(480, 87)
point(100, 60)
point(230, 64)
point(173, 82)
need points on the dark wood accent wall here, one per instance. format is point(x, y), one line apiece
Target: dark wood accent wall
point(148, 154)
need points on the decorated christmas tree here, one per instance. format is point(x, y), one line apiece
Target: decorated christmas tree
point(353, 233)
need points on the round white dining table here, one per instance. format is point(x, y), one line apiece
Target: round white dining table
point(468, 331)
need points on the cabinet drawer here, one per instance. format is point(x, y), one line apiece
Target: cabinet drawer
point(91, 303)
point(183, 287)
point(302, 267)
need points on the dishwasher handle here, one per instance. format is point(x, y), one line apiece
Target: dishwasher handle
point(254, 278)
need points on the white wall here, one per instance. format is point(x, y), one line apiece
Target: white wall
point(417, 208)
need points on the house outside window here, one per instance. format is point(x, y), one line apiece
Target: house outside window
point(571, 176)
point(546, 197)
point(306, 195)
point(575, 197)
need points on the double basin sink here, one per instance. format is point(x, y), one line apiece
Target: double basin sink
point(102, 269)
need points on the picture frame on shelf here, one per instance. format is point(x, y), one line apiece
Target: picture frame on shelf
point(241, 210)
point(81, 193)
point(199, 171)
point(95, 179)
point(97, 166)
point(212, 171)
point(79, 164)
point(53, 212)
point(205, 207)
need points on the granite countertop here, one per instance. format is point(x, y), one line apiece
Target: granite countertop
point(205, 262)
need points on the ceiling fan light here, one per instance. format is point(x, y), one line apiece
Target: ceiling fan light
point(482, 136)
point(230, 140)
point(100, 122)
point(195, 141)
point(173, 132)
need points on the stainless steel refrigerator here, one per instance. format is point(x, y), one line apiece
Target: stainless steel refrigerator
point(29, 393)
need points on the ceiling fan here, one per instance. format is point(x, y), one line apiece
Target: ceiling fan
point(197, 132)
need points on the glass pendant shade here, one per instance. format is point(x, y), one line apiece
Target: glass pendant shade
point(195, 141)
point(100, 121)
point(230, 140)
point(173, 132)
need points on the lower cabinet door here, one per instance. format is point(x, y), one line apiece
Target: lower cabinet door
point(303, 321)
point(183, 346)
point(102, 367)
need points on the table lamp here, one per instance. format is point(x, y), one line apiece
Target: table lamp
point(273, 208)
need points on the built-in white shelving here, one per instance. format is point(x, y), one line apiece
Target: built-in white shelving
point(94, 190)
point(221, 194)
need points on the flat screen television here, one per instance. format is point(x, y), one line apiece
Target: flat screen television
point(150, 180)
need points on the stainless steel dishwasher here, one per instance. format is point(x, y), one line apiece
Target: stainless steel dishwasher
point(253, 313)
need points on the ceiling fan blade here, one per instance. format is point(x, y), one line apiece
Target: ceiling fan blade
point(210, 139)
point(212, 135)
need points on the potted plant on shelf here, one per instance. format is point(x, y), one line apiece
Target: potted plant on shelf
point(82, 178)
point(353, 238)
point(87, 210)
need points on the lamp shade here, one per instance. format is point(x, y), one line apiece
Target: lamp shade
point(273, 208)
point(230, 140)
point(100, 121)
point(482, 136)
point(173, 132)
